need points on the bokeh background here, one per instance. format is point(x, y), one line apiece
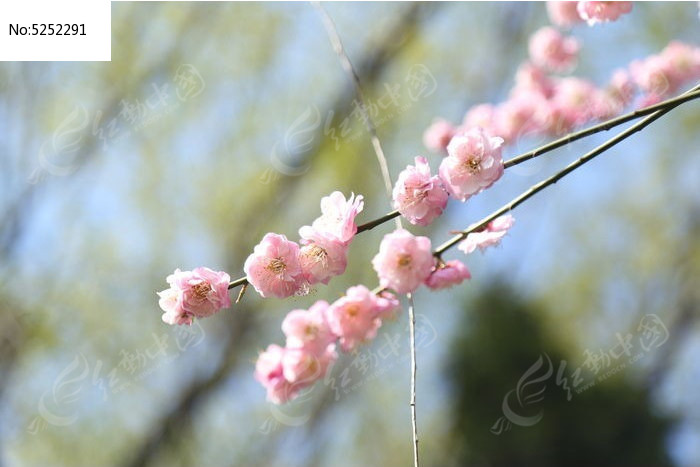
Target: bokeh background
point(215, 123)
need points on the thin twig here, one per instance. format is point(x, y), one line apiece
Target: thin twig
point(372, 224)
point(412, 332)
point(345, 62)
point(384, 167)
point(533, 190)
point(240, 294)
point(237, 282)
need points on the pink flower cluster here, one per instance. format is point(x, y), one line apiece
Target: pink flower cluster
point(194, 294)
point(281, 268)
point(540, 104)
point(404, 263)
point(312, 334)
point(663, 74)
point(567, 14)
point(473, 163)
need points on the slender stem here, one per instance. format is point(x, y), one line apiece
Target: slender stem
point(372, 224)
point(412, 332)
point(604, 126)
point(237, 282)
point(345, 62)
point(384, 167)
point(533, 190)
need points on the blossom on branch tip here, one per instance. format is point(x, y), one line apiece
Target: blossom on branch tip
point(418, 196)
point(273, 268)
point(448, 274)
point(337, 217)
point(600, 12)
point(194, 294)
point(489, 236)
point(404, 261)
point(474, 163)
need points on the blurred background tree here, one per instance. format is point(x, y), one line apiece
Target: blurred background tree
point(215, 123)
point(606, 424)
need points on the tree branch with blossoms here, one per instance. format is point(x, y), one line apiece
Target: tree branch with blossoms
point(539, 104)
point(668, 104)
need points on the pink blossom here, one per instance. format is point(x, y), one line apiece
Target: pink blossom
point(599, 12)
point(194, 294)
point(483, 115)
point(663, 74)
point(418, 196)
point(576, 101)
point(322, 257)
point(270, 373)
point(474, 163)
point(438, 135)
point(337, 217)
point(490, 236)
point(302, 366)
point(653, 75)
point(683, 63)
point(531, 79)
point(273, 268)
point(551, 50)
point(621, 87)
point(403, 261)
point(520, 116)
point(354, 318)
point(563, 14)
point(448, 274)
point(308, 328)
